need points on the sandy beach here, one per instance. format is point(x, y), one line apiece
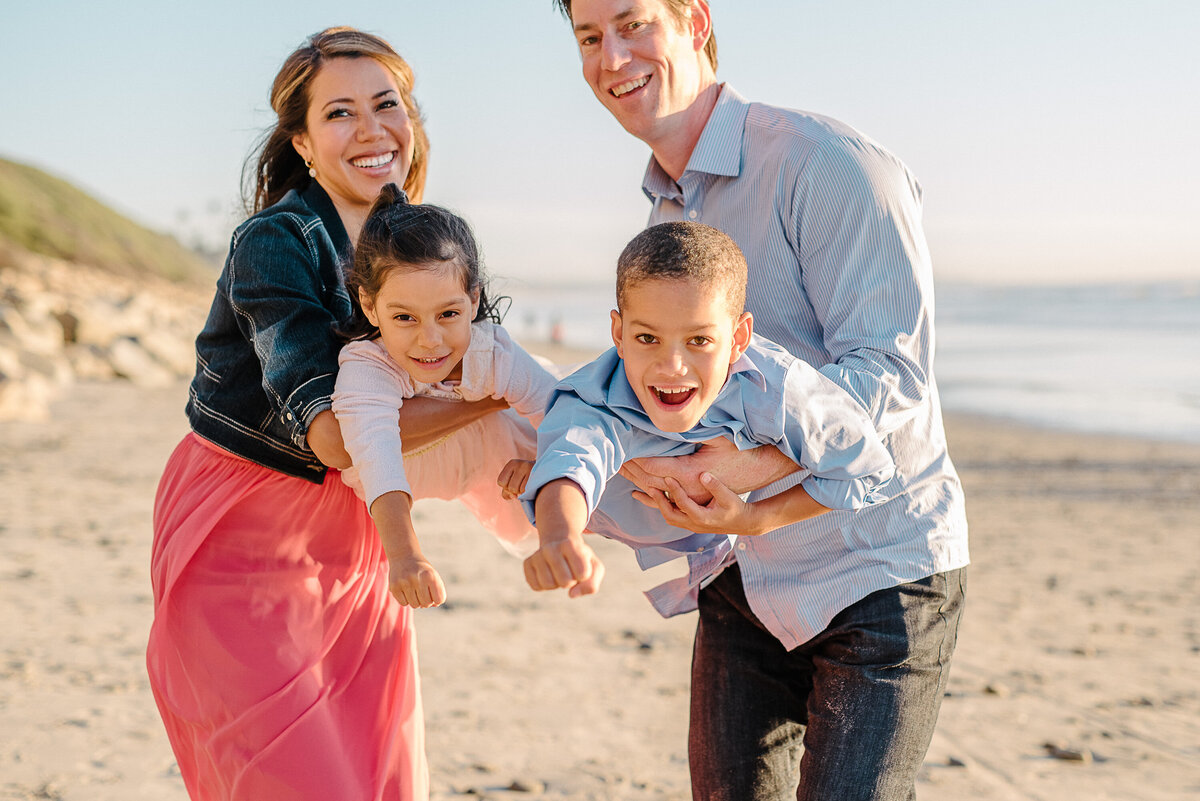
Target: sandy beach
point(1077, 674)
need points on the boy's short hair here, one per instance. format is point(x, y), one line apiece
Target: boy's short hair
point(685, 250)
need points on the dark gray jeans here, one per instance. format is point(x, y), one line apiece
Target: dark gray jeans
point(843, 717)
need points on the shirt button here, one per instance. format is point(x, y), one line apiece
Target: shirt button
point(741, 546)
point(289, 415)
point(692, 214)
point(700, 549)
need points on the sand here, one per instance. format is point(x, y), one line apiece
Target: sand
point(1077, 674)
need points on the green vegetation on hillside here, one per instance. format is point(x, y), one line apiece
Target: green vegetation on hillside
point(46, 215)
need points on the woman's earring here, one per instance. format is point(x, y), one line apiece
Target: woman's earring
point(312, 171)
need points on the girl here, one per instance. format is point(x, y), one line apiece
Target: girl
point(424, 326)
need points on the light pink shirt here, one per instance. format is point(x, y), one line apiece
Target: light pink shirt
point(371, 387)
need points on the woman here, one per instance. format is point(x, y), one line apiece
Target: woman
point(281, 666)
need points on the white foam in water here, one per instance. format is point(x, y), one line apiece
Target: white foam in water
point(1119, 359)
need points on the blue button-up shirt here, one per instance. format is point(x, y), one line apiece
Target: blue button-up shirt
point(840, 276)
point(595, 423)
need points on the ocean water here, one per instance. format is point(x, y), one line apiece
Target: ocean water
point(1119, 359)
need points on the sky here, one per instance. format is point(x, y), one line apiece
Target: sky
point(1054, 139)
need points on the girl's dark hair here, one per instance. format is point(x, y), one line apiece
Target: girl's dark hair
point(402, 234)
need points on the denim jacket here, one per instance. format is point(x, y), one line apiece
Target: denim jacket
point(267, 357)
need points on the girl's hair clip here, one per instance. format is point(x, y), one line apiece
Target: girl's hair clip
point(397, 214)
point(393, 194)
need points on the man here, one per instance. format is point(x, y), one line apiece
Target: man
point(851, 617)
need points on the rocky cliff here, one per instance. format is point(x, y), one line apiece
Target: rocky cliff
point(86, 294)
point(62, 322)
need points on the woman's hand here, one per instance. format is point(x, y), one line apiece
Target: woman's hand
point(513, 478)
point(324, 439)
point(415, 582)
point(738, 470)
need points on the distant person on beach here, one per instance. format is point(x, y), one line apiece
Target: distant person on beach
point(423, 324)
point(822, 648)
point(281, 665)
point(685, 368)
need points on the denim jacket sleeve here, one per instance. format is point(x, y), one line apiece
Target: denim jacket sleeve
point(277, 292)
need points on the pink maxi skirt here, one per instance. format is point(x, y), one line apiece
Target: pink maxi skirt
point(282, 667)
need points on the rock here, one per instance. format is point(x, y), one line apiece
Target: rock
point(90, 363)
point(39, 334)
point(70, 326)
point(526, 786)
point(130, 360)
point(176, 353)
point(1068, 754)
point(26, 398)
point(61, 321)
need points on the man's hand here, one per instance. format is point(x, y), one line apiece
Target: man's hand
point(724, 513)
point(739, 471)
point(513, 478)
point(727, 513)
point(568, 563)
point(415, 583)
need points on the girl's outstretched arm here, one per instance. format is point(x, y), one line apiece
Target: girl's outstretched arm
point(412, 579)
point(425, 420)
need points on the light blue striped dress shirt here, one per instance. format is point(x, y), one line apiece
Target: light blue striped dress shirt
point(840, 276)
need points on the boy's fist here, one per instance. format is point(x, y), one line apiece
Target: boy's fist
point(568, 563)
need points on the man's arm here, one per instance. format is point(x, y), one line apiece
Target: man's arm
point(727, 513)
point(739, 470)
point(425, 420)
point(854, 223)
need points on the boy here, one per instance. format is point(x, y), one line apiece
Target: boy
point(686, 368)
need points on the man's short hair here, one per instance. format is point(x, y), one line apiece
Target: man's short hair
point(685, 251)
point(679, 10)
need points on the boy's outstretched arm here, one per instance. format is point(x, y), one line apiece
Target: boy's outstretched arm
point(563, 558)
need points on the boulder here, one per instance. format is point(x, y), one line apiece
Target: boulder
point(61, 322)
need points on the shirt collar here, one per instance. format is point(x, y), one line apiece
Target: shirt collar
point(717, 152)
point(746, 365)
point(319, 201)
